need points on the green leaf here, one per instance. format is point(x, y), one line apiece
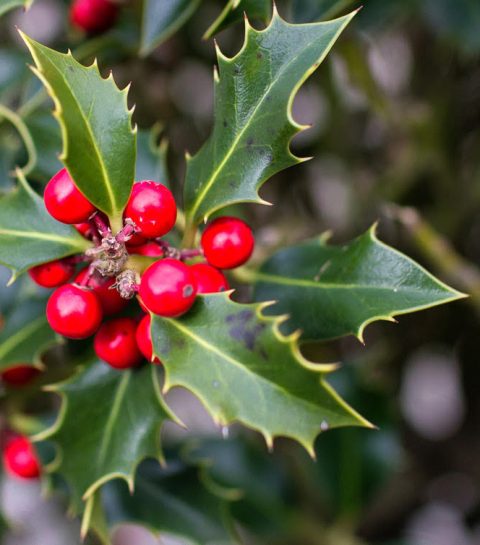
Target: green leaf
point(48, 142)
point(29, 235)
point(253, 125)
point(99, 145)
point(236, 361)
point(170, 500)
point(25, 336)
point(305, 11)
point(109, 421)
point(234, 11)
point(7, 5)
point(161, 19)
point(332, 291)
point(152, 157)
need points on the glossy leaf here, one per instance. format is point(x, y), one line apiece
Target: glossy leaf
point(332, 291)
point(7, 5)
point(25, 335)
point(29, 235)
point(48, 142)
point(235, 10)
point(170, 500)
point(239, 365)
point(151, 157)
point(253, 122)
point(109, 421)
point(99, 144)
point(161, 19)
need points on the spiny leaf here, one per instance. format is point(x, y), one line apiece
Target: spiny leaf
point(243, 369)
point(29, 235)
point(7, 5)
point(161, 19)
point(170, 500)
point(99, 145)
point(235, 10)
point(109, 421)
point(253, 125)
point(332, 291)
point(25, 335)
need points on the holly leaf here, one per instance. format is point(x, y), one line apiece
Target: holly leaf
point(29, 235)
point(99, 144)
point(109, 421)
point(236, 361)
point(169, 500)
point(304, 11)
point(332, 291)
point(25, 335)
point(235, 10)
point(7, 5)
point(152, 157)
point(161, 19)
point(253, 124)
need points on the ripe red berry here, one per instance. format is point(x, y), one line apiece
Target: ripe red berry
point(209, 279)
point(143, 336)
point(227, 242)
point(93, 15)
point(168, 288)
point(108, 296)
point(85, 229)
point(115, 343)
point(52, 274)
point(64, 201)
point(74, 311)
point(152, 207)
point(19, 375)
point(20, 459)
point(150, 249)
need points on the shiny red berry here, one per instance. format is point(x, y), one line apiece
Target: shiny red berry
point(150, 249)
point(52, 274)
point(115, 343)
point(74, 311)
point(108, 296)
point(152, 208)
point(93, 15)
point(64, 201)
point(143, 336)
point(209, 279)
point(85, 229)
point(19, 375)
point(168, 288)
point(227, 242)
point(20, 459)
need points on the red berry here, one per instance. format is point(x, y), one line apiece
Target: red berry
point(64, 201)
point(209, 279)
point(52, 274)
point(168, 288)
point(136, 240)
point(150, 249)
point(152, 207)
point(115, 343)
point(227, 242)
point(19, 375)
point(20, 460)
point(85, 229)
point(93, 15)
point(108, 296)
point(143, 336)
point(74, 311)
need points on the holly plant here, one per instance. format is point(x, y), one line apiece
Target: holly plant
point(151, 290)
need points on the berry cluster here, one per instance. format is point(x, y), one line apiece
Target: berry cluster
point(135, 262)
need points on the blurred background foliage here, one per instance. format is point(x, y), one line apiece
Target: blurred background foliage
point(395, 113)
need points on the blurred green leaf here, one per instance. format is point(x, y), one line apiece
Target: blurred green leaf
point(152, 157)
point(161, 19)
point(234, 12)
point(7, 5)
